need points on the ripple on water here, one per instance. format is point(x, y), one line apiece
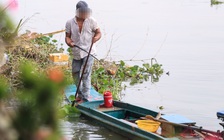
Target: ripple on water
point(83, 129)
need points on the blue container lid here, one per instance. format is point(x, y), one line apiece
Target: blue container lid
point(220, 114)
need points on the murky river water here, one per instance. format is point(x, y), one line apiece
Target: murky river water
point(83, 129)
point(186, 36)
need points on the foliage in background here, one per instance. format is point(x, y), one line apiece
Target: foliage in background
point(22, 50)
point(6, 25)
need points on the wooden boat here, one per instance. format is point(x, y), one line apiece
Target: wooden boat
point(122, 116)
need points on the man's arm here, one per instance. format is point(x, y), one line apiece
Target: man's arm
point(97, 35)
point(68, 40)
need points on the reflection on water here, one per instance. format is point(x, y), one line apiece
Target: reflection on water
point(84, 129)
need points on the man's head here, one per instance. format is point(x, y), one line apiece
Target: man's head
point(82, 10)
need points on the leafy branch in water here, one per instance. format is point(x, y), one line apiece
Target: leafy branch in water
point(112, 77)
point(216, 2)
point(68, 111)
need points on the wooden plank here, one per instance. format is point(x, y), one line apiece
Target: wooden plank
point(129, 123)
point(175, 118)
point(104, 109)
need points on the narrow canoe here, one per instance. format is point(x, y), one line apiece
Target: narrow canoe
point(122, 116)
point(115, 118)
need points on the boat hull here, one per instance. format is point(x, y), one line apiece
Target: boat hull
point(90, 109)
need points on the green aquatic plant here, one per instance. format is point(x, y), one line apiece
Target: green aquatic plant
point(68, 111)
point(104, 79)
point(216, 2)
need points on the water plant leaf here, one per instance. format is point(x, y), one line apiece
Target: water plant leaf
point(103, 81)
point(72, 97)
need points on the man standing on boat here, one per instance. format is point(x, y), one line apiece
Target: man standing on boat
point(82, 31)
